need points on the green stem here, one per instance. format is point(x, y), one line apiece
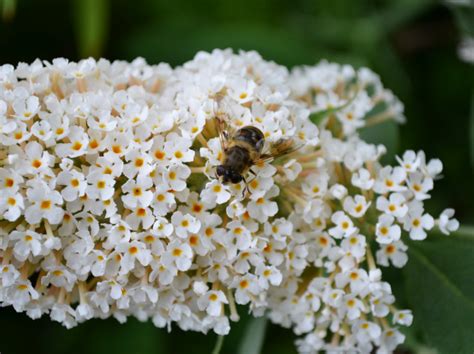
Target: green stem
point(218, 346)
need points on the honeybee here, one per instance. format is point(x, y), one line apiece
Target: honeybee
point(243, 149)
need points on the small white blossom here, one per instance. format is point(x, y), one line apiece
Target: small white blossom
point(447, 223)
point(386, 231)
point(344, 225)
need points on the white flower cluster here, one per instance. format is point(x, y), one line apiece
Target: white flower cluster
point(110, 205)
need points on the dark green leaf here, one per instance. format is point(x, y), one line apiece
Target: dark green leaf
point(386, 133)
point(440, 289)
point(254, 336)
point(464, 14)
point(471, 128)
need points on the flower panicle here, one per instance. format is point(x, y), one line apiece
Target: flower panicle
point(110, 205)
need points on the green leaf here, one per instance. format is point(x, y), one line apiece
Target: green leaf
point(91, 23)
point(440, 289)
point(254, 336)
point(386, 133)
point(471, 131)
point(464, 14)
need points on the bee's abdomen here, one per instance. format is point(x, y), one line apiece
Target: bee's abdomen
point(237, 159)
point(252, 136)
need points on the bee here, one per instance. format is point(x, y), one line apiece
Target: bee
point(243, 149)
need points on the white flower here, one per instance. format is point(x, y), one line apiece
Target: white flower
point(138, 193)
point(178, 149)
point(80, 70)
point(43, 205)
point(268, 275)
point(316, 185)
point(213, 152)
point(366, 331)
point(356, 206)
point(386, 231)
point(75, 184)
point(59, 277)
point(403, 317)
point(77, 146)
point(37, 161)
point(178, 255)
point(242, 90)
point(100, 186)
point(246, 287)
point(8, 275)
point(185, 224)
point(447, 223)
point(395, 252)
point(344, 227)
point(212, 302)
point(279, 229)
point(262, 208)
point(20, 294)
point(42, 130)
point(237, 236)
point(163, 201)
point(26, 107)
point(132, 251)
point(358, 280)
point(140, 216)
point(416, 222)
point(215, 192)
point(420, 185)
point(338, 191)
point(410, 161)
point(10, 181)
point(11, 206)
point(139, 163)
point(352, 307)
point(390, 180)
point(391, 339)
point(175, 177)
point(27, 242)
point(6, 125)
point(395, 205)
point(362, 179)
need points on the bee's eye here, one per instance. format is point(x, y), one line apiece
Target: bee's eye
point(235, 178)
point(220, 170)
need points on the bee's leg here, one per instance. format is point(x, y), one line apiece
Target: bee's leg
point(246, 188)
point(247, 183)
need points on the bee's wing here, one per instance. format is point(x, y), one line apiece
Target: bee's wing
point(222, 132)
point(223, 127)
point(279, 148)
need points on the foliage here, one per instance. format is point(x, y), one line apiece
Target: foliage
point(441, 292)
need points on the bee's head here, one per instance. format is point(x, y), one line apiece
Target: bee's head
point(228, 175)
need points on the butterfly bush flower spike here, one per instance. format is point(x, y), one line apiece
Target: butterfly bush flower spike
point(110, 205)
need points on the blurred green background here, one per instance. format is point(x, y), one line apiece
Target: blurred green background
point(411, 43)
